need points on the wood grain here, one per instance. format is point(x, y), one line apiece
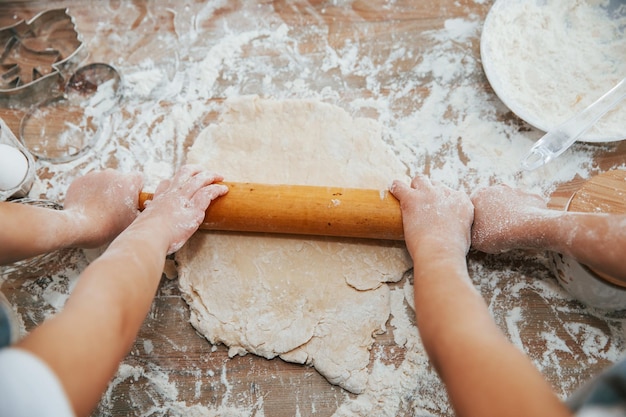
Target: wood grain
point(604, 193)
point(304, 210)
point(131, 33)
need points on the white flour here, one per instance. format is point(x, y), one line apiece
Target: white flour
point(549, 60)
point(439, 119)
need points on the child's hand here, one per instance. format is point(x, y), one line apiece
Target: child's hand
point(181, 203)
point(434, 215)
point(102, 204)
point(501, 217)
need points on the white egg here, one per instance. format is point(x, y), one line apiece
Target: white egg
point(13, 167)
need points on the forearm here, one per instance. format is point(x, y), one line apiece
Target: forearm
point(88, 339)
point(27, 231)
point(124, 279)
point(484, 373)
point(85, 342)
point(594, 239)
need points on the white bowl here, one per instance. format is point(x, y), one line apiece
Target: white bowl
point(549, 60)
point(584, 285)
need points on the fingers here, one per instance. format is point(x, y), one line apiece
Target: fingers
point(493, 190)
point(203, 198)
point(215, 190)
point(109, 184)
point(163, 185)
point(188, 180)
point(133, 185)
point(505, 198)
point(202, 180)
point(136, 182)
point(420, 182)
point(188, 193)
point(399, 189)
point(192, 178)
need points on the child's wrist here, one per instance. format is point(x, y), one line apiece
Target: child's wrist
point(78, 229)
point(442, 243)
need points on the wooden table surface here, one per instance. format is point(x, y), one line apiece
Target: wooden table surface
point(171, 370)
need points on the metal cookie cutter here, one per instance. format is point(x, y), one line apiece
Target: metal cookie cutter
point(38, 71)
point(66, 127)
point(37, 57)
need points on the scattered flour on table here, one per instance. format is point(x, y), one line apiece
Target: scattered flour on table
point(163, 395)
point(452, 130)
point(457, 135)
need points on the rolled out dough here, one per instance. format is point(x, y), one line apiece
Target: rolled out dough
point(316, 301)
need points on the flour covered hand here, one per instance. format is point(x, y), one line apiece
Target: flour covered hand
point(507, 218)
point(101, 204)
point(434, 215)
point(182, 202)
point(455, 325)
point(115, 291)
point(503, 216)
point(98, 207)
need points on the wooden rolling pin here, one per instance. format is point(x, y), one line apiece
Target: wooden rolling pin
point(304, 210)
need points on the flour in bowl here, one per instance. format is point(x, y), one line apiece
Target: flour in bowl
point(549, 60)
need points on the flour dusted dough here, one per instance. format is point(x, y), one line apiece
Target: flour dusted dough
point(318, 300)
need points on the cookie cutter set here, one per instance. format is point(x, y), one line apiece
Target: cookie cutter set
point(41, 73)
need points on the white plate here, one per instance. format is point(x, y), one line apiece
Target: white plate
point(548, 59)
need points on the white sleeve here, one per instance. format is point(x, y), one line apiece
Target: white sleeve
point(29, 388)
